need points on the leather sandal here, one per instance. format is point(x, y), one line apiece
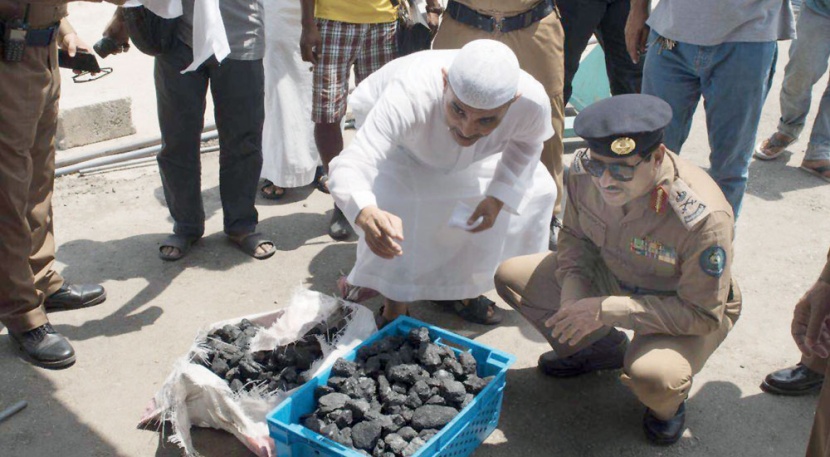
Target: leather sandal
point(479, 310)
point(250, 242)
point(321, 180)
point(772, 147)
point(181, 242)
point(271, 191)
point(819, 172)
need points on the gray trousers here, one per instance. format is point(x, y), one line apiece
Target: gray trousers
point(237, 87)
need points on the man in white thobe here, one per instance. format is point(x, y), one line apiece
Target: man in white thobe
point(447, 141)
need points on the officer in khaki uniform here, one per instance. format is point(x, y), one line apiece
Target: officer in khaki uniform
point(646, 245)
point(29, 92)
point(531, 28)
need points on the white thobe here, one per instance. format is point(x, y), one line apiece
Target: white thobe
point(404, 160)
point(289, 154)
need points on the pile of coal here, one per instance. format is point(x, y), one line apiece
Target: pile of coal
point(397, 394)
point(283, 368)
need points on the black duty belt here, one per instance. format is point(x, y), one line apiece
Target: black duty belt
point(468, 16)
point(635, 290)
point(35, 37)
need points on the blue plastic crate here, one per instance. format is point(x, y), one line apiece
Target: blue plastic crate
point(458, 438)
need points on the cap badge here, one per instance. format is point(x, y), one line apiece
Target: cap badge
point(623, 146)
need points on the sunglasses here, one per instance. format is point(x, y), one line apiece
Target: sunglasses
point(619, 171)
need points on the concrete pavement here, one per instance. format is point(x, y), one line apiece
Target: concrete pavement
point(109, 226)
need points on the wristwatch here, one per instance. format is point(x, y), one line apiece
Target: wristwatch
point(435, 9)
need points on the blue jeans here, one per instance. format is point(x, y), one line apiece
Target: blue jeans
point(808, 63)
point(734, 79)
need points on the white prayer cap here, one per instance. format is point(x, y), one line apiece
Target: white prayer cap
point(484, 74)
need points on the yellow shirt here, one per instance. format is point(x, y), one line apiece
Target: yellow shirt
point(356, 11)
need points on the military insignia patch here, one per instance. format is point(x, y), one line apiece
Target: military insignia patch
point(623, 146)
point(688, 206)
point(659, 199)
point(713, 261)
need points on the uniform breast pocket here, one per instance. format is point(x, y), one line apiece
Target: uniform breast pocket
point(592, 226)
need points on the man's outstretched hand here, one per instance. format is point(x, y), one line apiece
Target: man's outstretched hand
point(381, 230)
point(576, 320)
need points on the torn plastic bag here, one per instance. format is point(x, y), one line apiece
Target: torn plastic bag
point(193, 395)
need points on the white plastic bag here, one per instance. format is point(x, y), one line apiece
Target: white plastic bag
point(192, 395)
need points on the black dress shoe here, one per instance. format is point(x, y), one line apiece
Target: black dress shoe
point(75, 296)
point(339, 228)
point(794, 380)
point(45, 347)
point(606, 354)
point(665, 432)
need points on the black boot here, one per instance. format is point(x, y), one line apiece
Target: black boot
point(45, 347)
point(606, 354)
point(339, 228)
point(75, 296)
point(795, 380)
point(664, 432)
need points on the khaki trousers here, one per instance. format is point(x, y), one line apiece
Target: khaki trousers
point(29, 91)
point(819, 444)
point(540, 49)
point(658, 368)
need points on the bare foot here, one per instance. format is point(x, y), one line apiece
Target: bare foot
point(170, 251)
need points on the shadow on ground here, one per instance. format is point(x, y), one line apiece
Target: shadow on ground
point(41, 428)
point(597, 416)
point(771, 180)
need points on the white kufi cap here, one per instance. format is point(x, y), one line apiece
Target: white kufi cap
point(484, 74)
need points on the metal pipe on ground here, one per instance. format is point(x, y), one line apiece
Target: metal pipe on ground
point(12, 410)
point(123, 157)
point(132, 163)
point(109, 150)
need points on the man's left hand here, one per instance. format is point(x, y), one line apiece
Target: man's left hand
point(576, 320)
point(488, 209)
point(71, 43)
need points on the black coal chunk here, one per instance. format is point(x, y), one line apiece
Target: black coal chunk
point(408, 374)
point(219, 366)
point(468, 362)
point(333, 401)
point(419, 335)
point(344, 368)
point(395, 443)
point(359, 408)
point(407, 433)
point(313, 423)
point(319, 391)
point(365, 435)
point(429, 354)
point(413, 447)
point(432, 416)
point(474, 384)
point(452, 391)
